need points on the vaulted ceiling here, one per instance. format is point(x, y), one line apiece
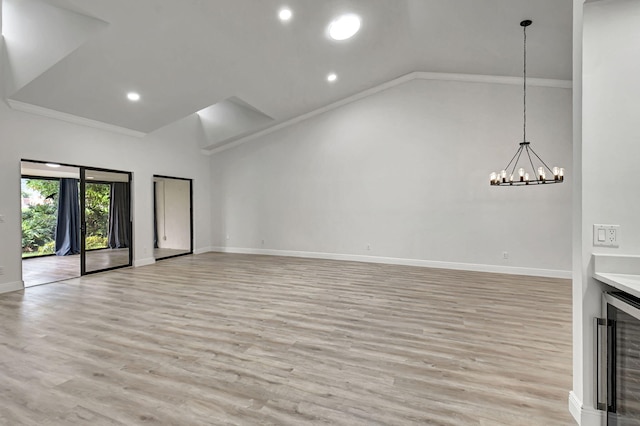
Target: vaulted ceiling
point(241, 69)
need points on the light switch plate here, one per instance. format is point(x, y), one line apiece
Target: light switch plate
point(606, 235)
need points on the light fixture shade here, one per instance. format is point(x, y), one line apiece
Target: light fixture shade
point(345, 27)
point(285, 14)
point(538, 168)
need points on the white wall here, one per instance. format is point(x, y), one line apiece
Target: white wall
point(610, 153)
point(173, 213)
point(37, 138)
point(576, 394)
point(406, 172)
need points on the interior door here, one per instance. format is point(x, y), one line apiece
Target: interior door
point(105, 209)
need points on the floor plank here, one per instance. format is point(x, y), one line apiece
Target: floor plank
point(244, 339)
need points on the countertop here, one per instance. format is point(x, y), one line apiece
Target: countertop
point(629, 283)
point(618, 271)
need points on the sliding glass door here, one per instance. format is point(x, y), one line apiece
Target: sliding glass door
point(105, 209)
point(172, 217)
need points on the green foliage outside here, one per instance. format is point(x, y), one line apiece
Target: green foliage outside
point(38, 227)
point(39, 219)
point(97, 210)
point(96, 242)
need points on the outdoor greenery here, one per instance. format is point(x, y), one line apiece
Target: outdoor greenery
point(97, 211)
point(39, 217)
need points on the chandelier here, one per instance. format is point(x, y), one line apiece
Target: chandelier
point(513, 175)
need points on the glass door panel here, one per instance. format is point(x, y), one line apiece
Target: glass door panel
point(172, 217)
point(623, 362)
point(106, 219)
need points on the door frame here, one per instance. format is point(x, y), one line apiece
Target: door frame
point(82, 196)
point(190, 213)
point(83, 224)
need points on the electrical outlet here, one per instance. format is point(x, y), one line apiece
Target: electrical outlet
point(262, 242)
point(606, 235)
point(368, 246)
point(1, 218)
point(505, 254)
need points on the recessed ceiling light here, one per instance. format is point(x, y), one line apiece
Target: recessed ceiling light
point(344, 27)
point(133, 96)
point(332, 77)
point(53, 165)
point(285, 14)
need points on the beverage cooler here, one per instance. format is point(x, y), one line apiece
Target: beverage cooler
point(618, 359)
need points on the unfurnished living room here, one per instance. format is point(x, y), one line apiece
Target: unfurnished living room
point(349, 212)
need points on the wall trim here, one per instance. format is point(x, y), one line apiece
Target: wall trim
point(584, 416)
point(202, 250)
point(70, 118)
point(547, 273)
point(419, 75)
point(575, 406)
point(13, 286)
point(143, 262)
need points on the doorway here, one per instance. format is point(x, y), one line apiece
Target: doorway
point(111, 227)
point(173, 217)
point(75, 221)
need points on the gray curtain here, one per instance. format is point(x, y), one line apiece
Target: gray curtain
point(68, 221)
point(119, 215)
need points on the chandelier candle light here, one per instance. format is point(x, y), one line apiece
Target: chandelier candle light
point(524, 177)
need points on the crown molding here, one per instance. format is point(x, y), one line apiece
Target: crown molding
point(70, 118)
point(495, 79)
point(419, 75)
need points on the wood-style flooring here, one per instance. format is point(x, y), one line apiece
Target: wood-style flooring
point(222, 339)
point(163, 253)
point(48, 269)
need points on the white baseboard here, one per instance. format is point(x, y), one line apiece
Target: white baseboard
point(591, 417)
point(203, 250)
point(549, 273)
point(575, 407)
point(14, 286)
point(143, 262)
point(584, 416)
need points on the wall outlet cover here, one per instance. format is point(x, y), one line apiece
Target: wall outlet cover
point(606, 235)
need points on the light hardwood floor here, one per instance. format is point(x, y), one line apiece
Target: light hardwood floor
point(163, 253)
point(48, 269)
point(221, 339)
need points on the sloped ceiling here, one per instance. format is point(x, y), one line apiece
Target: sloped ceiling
point(37, 35)
point(188, 56)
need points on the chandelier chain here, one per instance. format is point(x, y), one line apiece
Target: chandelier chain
point(525, 153)
point(524, 100)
